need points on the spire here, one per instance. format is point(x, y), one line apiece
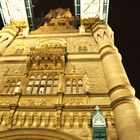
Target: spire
point(98, 120)
point(97, 108)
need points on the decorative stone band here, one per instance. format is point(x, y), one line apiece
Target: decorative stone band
point(122, 100)
point(107, 50)
point(120, 93)
point(122, 86)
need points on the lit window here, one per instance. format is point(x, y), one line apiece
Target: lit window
point(68, 87)
point(74, 91)
point(74, 85)
point(80, 86)
point(11, 86)
point(42, 84)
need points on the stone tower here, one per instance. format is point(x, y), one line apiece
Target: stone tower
point(57, 84)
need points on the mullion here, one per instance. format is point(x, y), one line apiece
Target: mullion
point(51, 90)
point(71, 86)
point(55, 85)
point(38, 89)
point(45, 88)
point(14, 85)
point(77, 86)
point(33, 85)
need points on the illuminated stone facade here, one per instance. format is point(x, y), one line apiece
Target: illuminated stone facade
point(51, 83)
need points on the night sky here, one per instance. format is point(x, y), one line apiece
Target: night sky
point(124, 21)
point(46, 4)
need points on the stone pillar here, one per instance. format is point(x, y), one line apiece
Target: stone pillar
point(125, 106)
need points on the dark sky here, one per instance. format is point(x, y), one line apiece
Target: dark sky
point(46, 4)
point(124, 20)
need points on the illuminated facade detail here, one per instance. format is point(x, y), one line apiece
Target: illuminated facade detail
point(42, 84)
point(99, 125)
point(52, 81)
point(11, 85)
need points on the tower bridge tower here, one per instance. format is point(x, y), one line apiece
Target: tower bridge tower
point(62, 83)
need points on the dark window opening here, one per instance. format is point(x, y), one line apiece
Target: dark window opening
point(1, 22)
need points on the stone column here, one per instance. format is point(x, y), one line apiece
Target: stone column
point(122, 95)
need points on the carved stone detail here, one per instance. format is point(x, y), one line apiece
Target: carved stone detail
point(103, 34)
point(51, 43)
point(37, 102)
point(48, 119)
point(74, 101)
point(8, 101)
point(48, 56)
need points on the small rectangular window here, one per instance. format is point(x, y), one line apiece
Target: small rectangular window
point(28, 90)
point(48, 90)
point(11, 86)
point(41, 90)
point(34, 90)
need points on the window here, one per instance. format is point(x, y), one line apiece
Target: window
point(82, 49)
point(45, 83)
point(74, 85)
point(11, 86)
point(99, 133)
point(19, 51)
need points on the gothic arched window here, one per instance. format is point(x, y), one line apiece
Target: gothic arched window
point(11, 86)
point(46, 83)
point(74, 84)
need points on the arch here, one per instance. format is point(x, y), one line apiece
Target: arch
point(51, 43)
point(36, 134)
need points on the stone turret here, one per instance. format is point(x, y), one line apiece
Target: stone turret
point(122, 94)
